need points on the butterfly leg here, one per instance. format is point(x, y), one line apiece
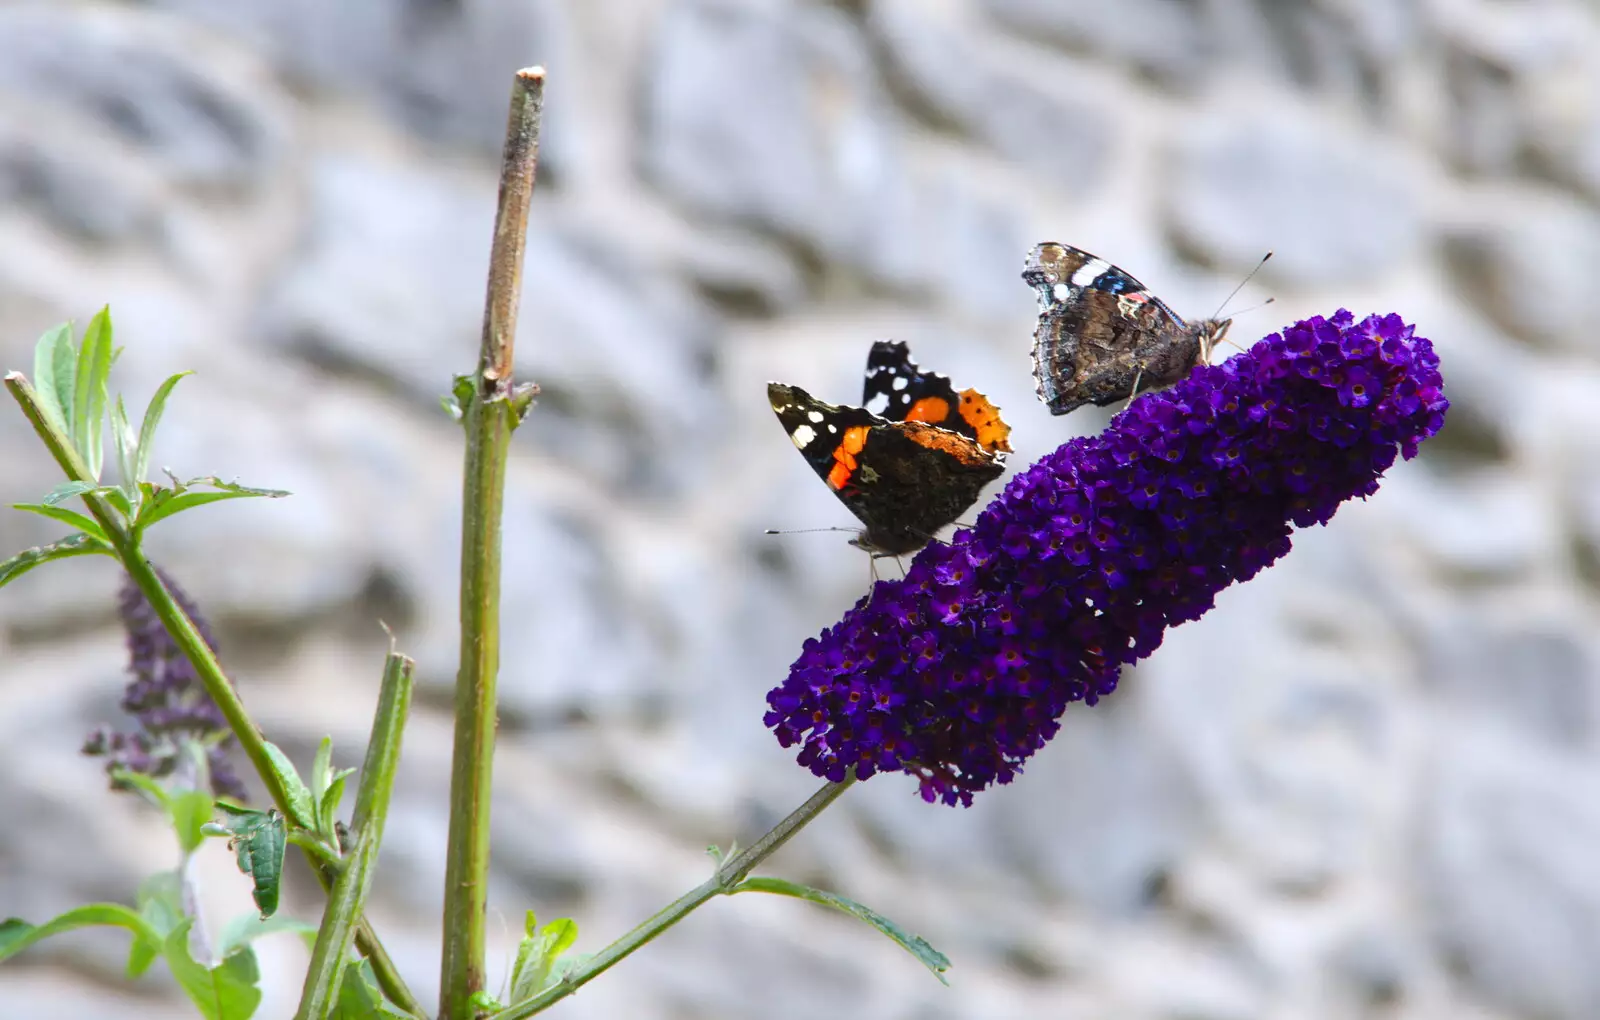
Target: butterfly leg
point(1137, 377)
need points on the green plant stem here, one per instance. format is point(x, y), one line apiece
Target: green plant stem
point(323, 977)
point(728, 875)
point(206, 667)
point(489, 418)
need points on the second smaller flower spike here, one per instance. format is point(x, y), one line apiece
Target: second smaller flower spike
point(958, 673)
point(166, 699)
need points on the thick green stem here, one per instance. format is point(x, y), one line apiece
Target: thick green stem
point(729, 875)
point(489, 418)
point(339, 917)
point(187, 637)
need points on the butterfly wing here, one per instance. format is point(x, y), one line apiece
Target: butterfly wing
point(1101, 333)
point(896, 388)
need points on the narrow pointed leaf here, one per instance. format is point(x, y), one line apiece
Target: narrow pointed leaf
point(152, 418)
point(166, 502)
point(322, 771)
point(328, 806)
point(17, 935)
point(83, 522)
point(54, 367)
point(27, 559)
point(89, 404)
point(302, 809)
point(916, 945)
point(126, 443)
point(66, 490)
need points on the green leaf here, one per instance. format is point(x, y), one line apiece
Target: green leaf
point(463, 388)
point(322, 770)
point(90, 389)
point(126, 442)
point(119, 499)
point(360, 998)
point(189, 811)
point(328, 807)
point(160, 902)
point(83, 522)
point(225, 992)
point(55, 364)
point(27, 559)
point(163, 503)
point(145, 784)
point(537, 955)
point(930, 957)
point(302, 809)
point(244, 929)
point(147, 430)
point(17, 935)
point(522, 400)
point(66, 490)
point(258, 839)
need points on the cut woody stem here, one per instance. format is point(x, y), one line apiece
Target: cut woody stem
point(489, 417)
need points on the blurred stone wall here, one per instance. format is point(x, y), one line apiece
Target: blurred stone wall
point(1367, 785)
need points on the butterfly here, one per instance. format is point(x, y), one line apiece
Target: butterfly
point(1102, 336)
point(908, 462)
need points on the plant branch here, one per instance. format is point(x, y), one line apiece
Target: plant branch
point(489, 419)
point(728, 875)
point(186, 635)
point(323, 977)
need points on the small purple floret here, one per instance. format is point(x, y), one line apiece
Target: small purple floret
point(959, 672)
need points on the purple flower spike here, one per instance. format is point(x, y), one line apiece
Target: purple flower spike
point(165, 697)
point(959, 672)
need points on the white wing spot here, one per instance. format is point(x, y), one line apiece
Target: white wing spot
point(900, 382)
point(1061, 292)
point(1089, 271)
point(802, 436)
point(833, 428)
point(816, 416)
point(879, 403)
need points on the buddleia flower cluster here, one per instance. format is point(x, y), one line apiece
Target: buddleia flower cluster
point(166, 699)
point(961, 671)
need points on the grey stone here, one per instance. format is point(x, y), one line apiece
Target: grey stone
point(1157, 36)
point(1504, 264)
point(77, 184)
point(1530, 671)
point(1487, 524)
point(1509, 879)
point(1039, 112)
point(443, 70)
point(1287, 745)
point(149, 84)
point(613, 341)
point(1277, 180)
point(1103, 813)
point(771, 115)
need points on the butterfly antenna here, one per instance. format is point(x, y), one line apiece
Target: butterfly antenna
point(805, 531)
point(1248, 277)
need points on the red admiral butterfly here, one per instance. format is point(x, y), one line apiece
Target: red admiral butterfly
point(1102, 335)
point(913, 467)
